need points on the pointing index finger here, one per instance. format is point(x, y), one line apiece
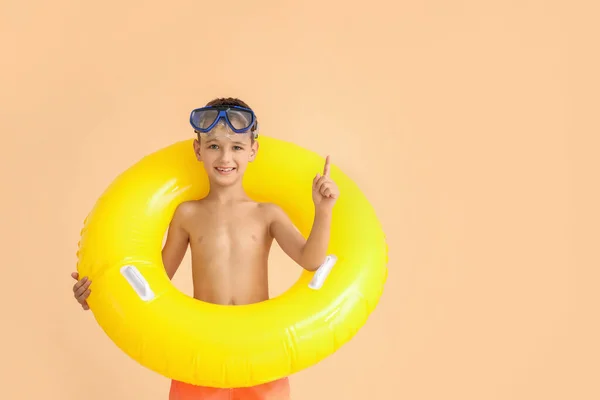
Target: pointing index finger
point(326, 168)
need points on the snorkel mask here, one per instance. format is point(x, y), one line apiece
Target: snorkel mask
point(239, 119)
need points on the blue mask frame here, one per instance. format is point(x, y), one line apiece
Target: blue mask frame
point(223, 113)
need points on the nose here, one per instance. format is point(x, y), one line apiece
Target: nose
point(225, 155)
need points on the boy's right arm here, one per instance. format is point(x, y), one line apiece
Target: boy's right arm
point(177, 240)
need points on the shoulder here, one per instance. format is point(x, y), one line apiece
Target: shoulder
point(188, 209)
point(272, 213)
point(270, 209)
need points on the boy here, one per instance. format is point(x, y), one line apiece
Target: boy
point(230, 235)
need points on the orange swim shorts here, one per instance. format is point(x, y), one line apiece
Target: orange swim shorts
point(276, 390)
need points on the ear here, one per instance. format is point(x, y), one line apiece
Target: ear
point(253, 151)
point(197, 150)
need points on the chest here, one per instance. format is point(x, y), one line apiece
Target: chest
point(226, 228)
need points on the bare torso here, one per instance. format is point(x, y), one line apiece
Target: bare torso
point(230, 247)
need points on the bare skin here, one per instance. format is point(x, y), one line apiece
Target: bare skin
point(229, 245)
point(230, 235)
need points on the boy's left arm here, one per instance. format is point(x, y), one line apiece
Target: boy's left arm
point(308, 253)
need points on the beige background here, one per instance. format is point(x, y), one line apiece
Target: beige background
point(471, 126)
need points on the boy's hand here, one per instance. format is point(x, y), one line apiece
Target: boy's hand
point(81, 290)
point(325, 192)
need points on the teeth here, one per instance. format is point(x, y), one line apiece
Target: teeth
point(225, 169)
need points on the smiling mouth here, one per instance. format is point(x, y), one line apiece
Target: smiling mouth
point(225, 170)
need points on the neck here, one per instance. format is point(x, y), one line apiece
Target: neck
point(226, 194)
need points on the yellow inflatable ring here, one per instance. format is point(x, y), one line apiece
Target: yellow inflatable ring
point(188, 340)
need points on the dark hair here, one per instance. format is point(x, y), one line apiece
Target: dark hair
point(233, 101)
point(227, 101)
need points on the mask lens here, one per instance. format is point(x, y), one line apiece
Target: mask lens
point(203, 119)
point(239, 119)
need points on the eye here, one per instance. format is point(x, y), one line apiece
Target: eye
point(213, 146)
point(238, 148)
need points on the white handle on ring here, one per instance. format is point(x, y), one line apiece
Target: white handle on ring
point(322, 272)
point(137, 282)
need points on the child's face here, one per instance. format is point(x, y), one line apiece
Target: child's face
point(225, 154)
